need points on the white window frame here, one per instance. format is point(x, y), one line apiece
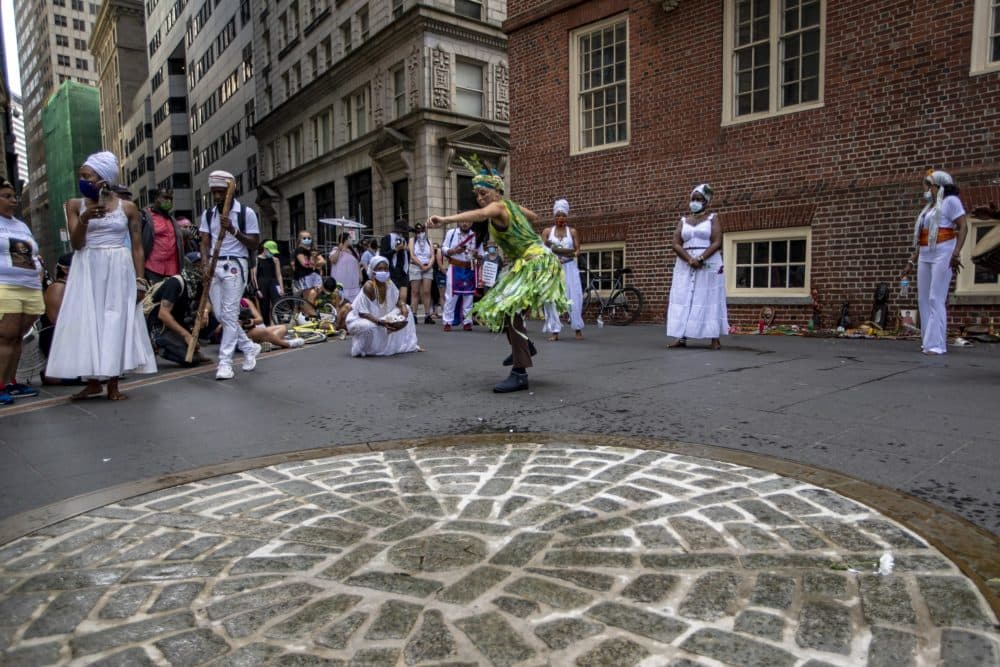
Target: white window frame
point(481, 91)
point(981, 29)
point(575, 142)
point(399, 91)
point(357, 101)
point(293, 145)
point(729, 241)
point(322, 131)
point(775, 108)
point(965, 280)
point(586, 248)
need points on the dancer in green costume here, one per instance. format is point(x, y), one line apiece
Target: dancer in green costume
point(532, 278)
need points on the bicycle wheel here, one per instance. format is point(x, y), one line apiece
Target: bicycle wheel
point(311, 337)
point(286, 309)
point(625, 306)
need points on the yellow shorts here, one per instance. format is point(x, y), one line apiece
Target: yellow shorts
point(24, 300)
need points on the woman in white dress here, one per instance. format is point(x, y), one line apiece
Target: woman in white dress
point(344, 267)
point(380, 323)
point(563, 241)
point(100, 333)
point(697, 306)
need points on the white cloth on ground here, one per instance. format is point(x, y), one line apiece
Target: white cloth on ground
point(697, 306)
point(101, 332)
point(371, 340)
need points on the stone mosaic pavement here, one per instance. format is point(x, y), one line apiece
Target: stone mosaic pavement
point(501, 555)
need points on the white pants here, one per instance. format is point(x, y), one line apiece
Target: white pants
point(451, 300)
point(574, 291)
point(933, 279)
point(225, 293)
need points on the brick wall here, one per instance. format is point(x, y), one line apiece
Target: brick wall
point(898, 98)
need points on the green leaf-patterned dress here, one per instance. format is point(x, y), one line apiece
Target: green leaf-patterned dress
point(532, 278)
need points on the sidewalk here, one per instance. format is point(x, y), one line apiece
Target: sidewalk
point(567, 552)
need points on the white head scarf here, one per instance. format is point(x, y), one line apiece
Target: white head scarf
point(219, 179)
point(940, 179)
point(561, 207)
point(375, 261)
point(705, 190)
point(105, 165)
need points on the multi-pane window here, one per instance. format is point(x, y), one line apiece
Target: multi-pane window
point(62, 60)
point(775, 55)
point(252, 172)
point(293, 148)
point(296, 214)
point(322, 132)
point(397, 8)
point(59, 20)
point(345, 36)
point(474, 10)
point(986, 37)
point(469, 89)
point(598, 265)
point(599, 71)
point(399, 91)
point(772, 262)
point(976, 278)
point(363, 24)
point(325, 208)
point(356, 113)
point(62, 40)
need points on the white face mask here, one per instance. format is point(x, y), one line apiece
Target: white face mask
point(928, 196)
point(307, 242)
point(696, 206)
point(381, 276)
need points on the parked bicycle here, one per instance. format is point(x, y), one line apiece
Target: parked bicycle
point(623, 304)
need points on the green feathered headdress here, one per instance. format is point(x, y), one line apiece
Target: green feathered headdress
point(485, 177)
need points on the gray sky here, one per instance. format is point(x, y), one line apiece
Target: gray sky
point(10, 45)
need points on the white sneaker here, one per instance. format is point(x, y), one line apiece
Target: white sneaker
point(300, 319)
point(224, 372)
point(296, 342)
point(250, 358)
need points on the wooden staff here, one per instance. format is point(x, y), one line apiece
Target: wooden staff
point(206, 281)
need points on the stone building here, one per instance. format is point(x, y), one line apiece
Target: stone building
point(814, 121)
point(363, 109)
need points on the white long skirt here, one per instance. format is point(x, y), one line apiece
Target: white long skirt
point(370, 340)
point(574, 292)
point(697, 307)
point(100, 332)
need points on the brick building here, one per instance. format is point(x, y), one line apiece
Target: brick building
point(813, 120)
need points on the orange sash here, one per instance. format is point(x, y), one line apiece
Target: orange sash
point(944, 234)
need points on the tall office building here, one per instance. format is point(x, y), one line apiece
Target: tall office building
point(20, 147)
point(52, 49)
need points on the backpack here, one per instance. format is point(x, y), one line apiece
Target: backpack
point(150, 301)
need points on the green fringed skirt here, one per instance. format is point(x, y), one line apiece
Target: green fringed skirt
point(525, 287)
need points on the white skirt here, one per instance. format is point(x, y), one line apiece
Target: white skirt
point(100, 332)
point(697, 307)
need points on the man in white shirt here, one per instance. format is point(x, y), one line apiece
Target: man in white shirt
point(459, 247)
point(242, 235)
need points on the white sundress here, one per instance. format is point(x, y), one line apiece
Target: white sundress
point(101, 332)
point(697, 306)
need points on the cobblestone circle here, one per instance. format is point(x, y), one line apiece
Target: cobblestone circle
point(501, 555)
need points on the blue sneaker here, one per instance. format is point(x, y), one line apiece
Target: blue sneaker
point(5, 398)
point(18, 389)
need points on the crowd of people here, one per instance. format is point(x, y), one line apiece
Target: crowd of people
point(132, 287)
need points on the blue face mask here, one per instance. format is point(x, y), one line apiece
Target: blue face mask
point(89, 190)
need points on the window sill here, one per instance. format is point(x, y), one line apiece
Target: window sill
point(973, 299)
point(292, 43)
point(316, 21)
point(739, 120)
point(768, 300)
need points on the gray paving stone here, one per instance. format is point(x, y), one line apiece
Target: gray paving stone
point(351, 561)
point(721, 513)
point(751, 536)
point(32, 656)
point(176, 596)
point(774, 591)
point(598, 542)
point(521, 549)
point(423, 505)
point(588, 558)
point(258, 598)
point(650, 587)
point(73, 579)
point(192, 648)
point(249, 622)
point(834, 502)
point(802, 539)
point(17, 609)
point(325, 536)
point(396, 583)
point(952, 602)
point(564, 632)
point(546, 592)
point(885, 599)
point(481, 527)
point(672, 491)
point(110, 512)
point(580, 492)
point(612, 524)
point(369, 517)
point(275, 564)
point(195, 548)
point(375, 657)
point(126, 601)
point(606, 505)
point(825, 584)
point(496, 486)
point(765, 513)
point(306, 660)
point(437, 553)
point(653, 537)
point(688, 561)
point(824, 626)
point(842, 534)
point(132, 657)
point(478, 508)
point(238, 547)
point(404, 529)
point(792, 504)
point(313, 616)
point(177, 570)
point(960, 649)
point(922, 563)
point(331, 502)
point(495, 639)
point(698, 535)
point(710, 596)
point(176, 520)
point(431, 641)
point(129, 633)
point(892, 648)
point(258, 530)
point(760, 624)
point(82, 538)
point(594, 581)
point(535, 514)
point(516, 606)
point(616, 652)
point(394, 621)
point(659, 511)
point(231, 585)
point(251, 655)
point(472, 585)
point(774, 561)
point(64, 613)
point(723, 496)
point(733, 649)
point(638, 621)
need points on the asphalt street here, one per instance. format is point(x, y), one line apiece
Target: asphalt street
point(876, 410)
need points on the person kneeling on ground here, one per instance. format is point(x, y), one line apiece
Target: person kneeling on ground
point(380, 322)
point(331, 304)
point(173, 302)
point(253, 323)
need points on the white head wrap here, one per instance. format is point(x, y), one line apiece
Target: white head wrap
point(561, 207)
point(375, 261)
point(705, 190)
point(105, 165)
point(219, 179)
point(940, 179)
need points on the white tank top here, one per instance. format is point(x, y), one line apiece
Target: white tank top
point(109, 231)
point(566, 242)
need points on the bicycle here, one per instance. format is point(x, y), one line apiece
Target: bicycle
point(622, 306)
point(287, 310)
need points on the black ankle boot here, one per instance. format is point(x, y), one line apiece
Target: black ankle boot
point(514, 382)
point(509, 361)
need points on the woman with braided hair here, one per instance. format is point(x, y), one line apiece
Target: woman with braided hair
point(532, 279)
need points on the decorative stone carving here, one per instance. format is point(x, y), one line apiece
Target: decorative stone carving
point(441, 79)
point(501, 79)
point(414, 74)
point(378, 105)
